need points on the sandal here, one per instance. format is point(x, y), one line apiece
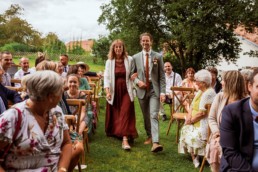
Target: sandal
point(125, 146)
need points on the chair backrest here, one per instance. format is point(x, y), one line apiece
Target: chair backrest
point(97, 81)
point(15, 81)
point(88, 98)
point(93, 88)
point(180, 95)
point(78, 103)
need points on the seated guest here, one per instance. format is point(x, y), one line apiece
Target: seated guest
point(73, 92)
point(25, 70)
point(188, 82)
point(215, 84)
point(7, 94)
point(189, 78)
point(84, 84)
point(239, 132)
point(42, 142)
point(233, 89)
point(194, 132)
point(6, 63)
point(172, 79)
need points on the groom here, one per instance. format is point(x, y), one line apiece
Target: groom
point(151, 88)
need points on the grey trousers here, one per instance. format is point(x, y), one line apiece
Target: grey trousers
point(150, 108)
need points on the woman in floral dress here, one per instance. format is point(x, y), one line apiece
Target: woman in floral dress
point(194, 132)
point(43, 142)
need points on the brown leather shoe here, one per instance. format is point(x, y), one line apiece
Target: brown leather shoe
point(148, 141)
point(156, 147)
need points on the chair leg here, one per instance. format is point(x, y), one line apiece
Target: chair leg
point(203, 163)
point(79, 166)
point(177, 130)
point(169, 125)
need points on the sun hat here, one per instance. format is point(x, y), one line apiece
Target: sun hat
point(87, 68)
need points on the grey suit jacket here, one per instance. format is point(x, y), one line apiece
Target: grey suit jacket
point(156, 72)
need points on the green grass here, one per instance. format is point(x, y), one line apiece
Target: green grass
point(106, 153)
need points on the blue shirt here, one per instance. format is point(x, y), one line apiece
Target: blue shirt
point(255, 125)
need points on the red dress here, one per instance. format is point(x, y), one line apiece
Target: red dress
point(120, 117)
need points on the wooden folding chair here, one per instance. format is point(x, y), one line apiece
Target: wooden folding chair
point(208, 107)
point(97, 81)
point(72, 120)
point(95, 96)
point(178, 110)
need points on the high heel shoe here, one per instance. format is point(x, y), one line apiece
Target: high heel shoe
point(126, 146)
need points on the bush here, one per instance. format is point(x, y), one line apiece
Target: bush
point(17, 47)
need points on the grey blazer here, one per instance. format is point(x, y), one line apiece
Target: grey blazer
point(157, 73)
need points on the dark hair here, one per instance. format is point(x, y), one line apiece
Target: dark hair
point(65, 55)
point(212, 70)
point(73, 69)
point(40, 58)
point(255, 72)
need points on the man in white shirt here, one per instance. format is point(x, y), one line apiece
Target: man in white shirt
point(25, 70)
point(172, 79)
point(6, 62)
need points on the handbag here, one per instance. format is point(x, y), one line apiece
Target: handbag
point(17, 129)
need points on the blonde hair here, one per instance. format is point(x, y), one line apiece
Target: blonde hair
point(47, 65)
point(112, 54)
point(234, 86)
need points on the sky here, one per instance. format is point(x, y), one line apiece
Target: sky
point(69, 19)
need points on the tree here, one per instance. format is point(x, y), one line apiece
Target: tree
point(198, 33)
point(101, 47)
point(15, 29)
point(53, 45)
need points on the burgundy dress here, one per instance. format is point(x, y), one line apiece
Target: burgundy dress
point(120, 117)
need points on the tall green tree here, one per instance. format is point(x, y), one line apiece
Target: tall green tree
point(198, 33)
point(15, 29)
point(101, 47)
point(52, 44)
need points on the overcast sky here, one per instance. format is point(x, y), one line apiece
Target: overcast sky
point(67, 18)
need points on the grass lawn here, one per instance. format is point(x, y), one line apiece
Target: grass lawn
point(106, 153)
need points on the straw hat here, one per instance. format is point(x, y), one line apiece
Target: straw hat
point(87, 68)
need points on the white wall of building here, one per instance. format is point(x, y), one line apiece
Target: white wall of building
point(244, 60)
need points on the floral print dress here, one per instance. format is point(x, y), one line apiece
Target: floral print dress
point(193, 137)
point(33, 150)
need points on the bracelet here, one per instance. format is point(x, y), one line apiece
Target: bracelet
point(63, 169)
